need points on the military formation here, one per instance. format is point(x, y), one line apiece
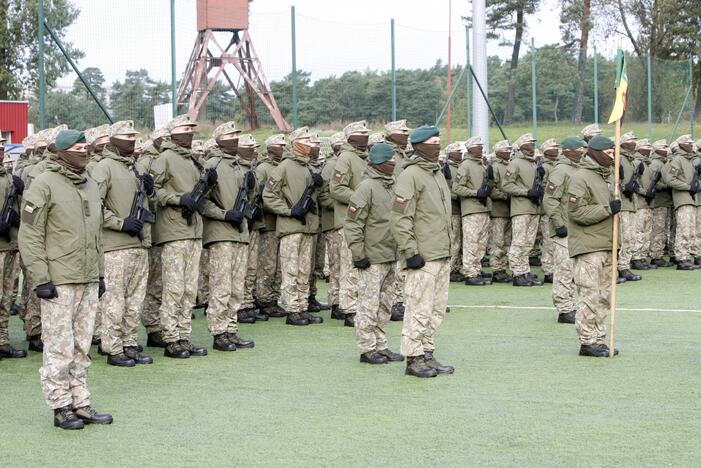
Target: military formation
point(110, 232)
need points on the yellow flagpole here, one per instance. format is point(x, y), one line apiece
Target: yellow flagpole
point(616, 222)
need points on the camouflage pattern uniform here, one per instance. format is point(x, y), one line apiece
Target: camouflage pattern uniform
point(661, 204)
point(203, 280)
point(678, 175)
point(500, 224)
point(8, 255)
point(249, 289)
point(454, 154)
point(697, 163)
point(627, 215)
point(547, 241)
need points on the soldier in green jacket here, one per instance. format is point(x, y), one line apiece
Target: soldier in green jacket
point(473, 184)
point(397, 136)
point(643, 214)
point(421, 226)
point(590, 131)
point(591, 207)
point(661, 206)
point(629, 179)
point(27, 154)
point(551, 155)
point(179, 231)
point(680, 176)
point(519, 183)
point(500, 214)
point(368, 232)
point(316, 164)
point(297, 224)
point(453, 157)
point(555, 201)
point(347, 175)
point(125, 244)
point(96, 138)
point(697, 164)
point(60, 240)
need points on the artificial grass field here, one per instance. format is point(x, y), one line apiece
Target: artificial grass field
point(520, 394)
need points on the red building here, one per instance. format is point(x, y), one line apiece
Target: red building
point(14, 117)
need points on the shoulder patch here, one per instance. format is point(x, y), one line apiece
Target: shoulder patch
point(353, 211)
point(572, 201)
point(507, 173)
point(337, 176)
point(672, 170)
point(551, 187)
point(400, 204)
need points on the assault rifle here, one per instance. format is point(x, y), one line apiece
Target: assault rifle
point(652, 190)
point(485, 189)
point(208, 178)
point(535, 194)
point(138, 206)
point(634, 183)
point(306, 203)
point(694, 186)
point(9, 215)
point(255, 209)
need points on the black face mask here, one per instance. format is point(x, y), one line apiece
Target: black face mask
point(123, 147)
point(314, 153)
point(572, 155)
point(386, 168)
point(157, 144)
point(503, 155)
point(359, 142)
point(336, 149)
point(455, 156)
point(229, 146)
point(183, 140)
point(428, 151)
point(399, 139)
point(275, 152)
point(645, 151)
point(601, 158)
point(247, 153)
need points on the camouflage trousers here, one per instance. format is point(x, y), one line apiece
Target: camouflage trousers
point(203, 281)
point(7, 262)
point(697, 251)
point(126, 274)
point(249, 284)
point(400, 281)
point(643, 228)
point(524, 229)
point(16, 272)
point(334, 241)
point(150, 316)
point(312, 266)
point(499, 243)
point(456, 249)
point(592, 275)
point(426, 301)
point(295, 252)
point(546, 255)
point(475, 234)
point(564, 291)
point(31, 308)
point(628, 228)
point(375, 296)
point(68, 322)
point(348, 283)
point(658, 232)
point(319, 256)
point(685, 235)
point(269, 274)
point(227, 273)
point(671, 224)
point(181, 264)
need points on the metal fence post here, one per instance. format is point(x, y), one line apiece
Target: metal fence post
point(394, 74)
point(42, 76)
point(173, 92)
point(295, 122)
point(649, 98)
point(469, 82)
point(692, 107)
point(596, 89)
point(533, 92)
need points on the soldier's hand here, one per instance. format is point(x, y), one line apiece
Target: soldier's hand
point(148, 183)
point(446, 171)
point(620, 172)
point(490, 172)
point(561, 231)
point(362, 264)
point(415, 262)
point(5, 230)
point(187, 201)
point(46, 291)
point(19, 185)
point(234, 218)
point(694, 187)
point(533, 195)
point(640, 169)
point(101, 288)
point(132, 226)
point(250, 181)
point(210, 177)
point(317, 179)
point(541, 171)
point(297, 212)
point(615, 206)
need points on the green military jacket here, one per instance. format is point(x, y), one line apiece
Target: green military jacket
point(402, 156)
point(94, 160)
point(326, 203)
point(368, 222)
point(175, 174)
point(645, 181)
point(696, 161)
point(677, 176)
point(518, 179)
point(454, 198)
point(60, 236)
point(284, 189)
point(347, 175)
point(421, 211)
point(627, 163)
point(21, 164)
point(231, 171)
point(317, 168)
point(27, 169)
point(263, 171)
point(143, 165)
point(590, 227)
point(500, 199)
point(556, 194)
point(5, 187)
point(118, 185)
point(663, 196)
point(36, 169)
point(548, 166)
point(468, 180)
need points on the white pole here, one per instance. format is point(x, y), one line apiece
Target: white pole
point(480, 111)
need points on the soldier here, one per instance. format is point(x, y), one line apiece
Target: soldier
point(21, 163)
point(555, 203)
point(125, 244)
point(697, 166)
point(629, 178)
point(397, 136)
point(660, 204)
point(367, 229)
point(681, 176)
point(646, 194)
point(591, 207)
point(375, 138)
point(269, 275)
point(421, 226)
point(500, 223)
point(198, 150)
point(473, 185)
point(551, 154)
point(519, 182)
point(96, 138)
point(179, 227)
point(61, 244)
point(226, 235)
point(297, 223)
point(454, 154)
point(316, 165)
point(331, 226)
point(347, 175)
point(590, 131)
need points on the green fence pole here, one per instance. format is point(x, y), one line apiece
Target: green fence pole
point(649, 98)
point(42, 76)
point(469, 82)
point(173, 91)
point(533, 93)
point(692, 107)
point(394, 74)
point(596, 89)
point(295, 123)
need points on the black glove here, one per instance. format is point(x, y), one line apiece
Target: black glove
point(540, 170)
point(298, 212)
point(483, 194)
point(561, 231)
point(615, 206)
point(210, 177)
point(630, 188)
point(362, 264)
point(490, 172)
point(187, 201)
point(249, 181)
point(317, 180)
point(446, 171)
point(5, 230)
point(415, 262)
point(533, 195)
point(19, 185)
point(650, 194)
point(46, 291)
point(233, 218)
point(101, 288)
point(694, 186)
point(620, 172)
point(132, 226)
point(148, 183)
point(640, 169)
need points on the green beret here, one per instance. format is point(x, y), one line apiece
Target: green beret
point(380, 153)
point(600, 143)
point(572, 143)
point(67, 138)
point(423, 133)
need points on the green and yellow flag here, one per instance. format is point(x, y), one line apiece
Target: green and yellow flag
point(619, 106)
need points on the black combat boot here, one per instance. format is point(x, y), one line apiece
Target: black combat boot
point(416, 366)
point(259, 315)
point(134, 353)
point(638, 264)
point(120, 360)
point(155, 340)
point(15, 309)
point(373, 357)
point(7, 351)
point(243, 316)
point(534, 260)
point(697, 261)
point(397, 312)
point(271, 309)
point(240, 342)
point(296, 318)
point(192, 349)
point(89, 416)
point(222, 343)
point(434, 364)
point(596, 350)
point(686, 265)
point(661, 263)
point(313, 306)
point(548, 278)
point(174, 350)
point(65, 418)
point(566, 317)
point(673, 260)
point(312, 319)
point(649, 266)
point(337, 313)
point(475, 281)
point(317, 304)
point(35, 343)
point(523, 280)
point(349, 320)
point(629, 275)
point(392, 357)
point(500, 276)
point(456, 277)
point(95, 340)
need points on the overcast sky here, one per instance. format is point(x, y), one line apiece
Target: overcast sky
point(333, 36)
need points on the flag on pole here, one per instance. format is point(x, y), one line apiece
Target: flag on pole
point(619, 106)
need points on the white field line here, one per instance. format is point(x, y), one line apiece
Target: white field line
point(488, 306)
